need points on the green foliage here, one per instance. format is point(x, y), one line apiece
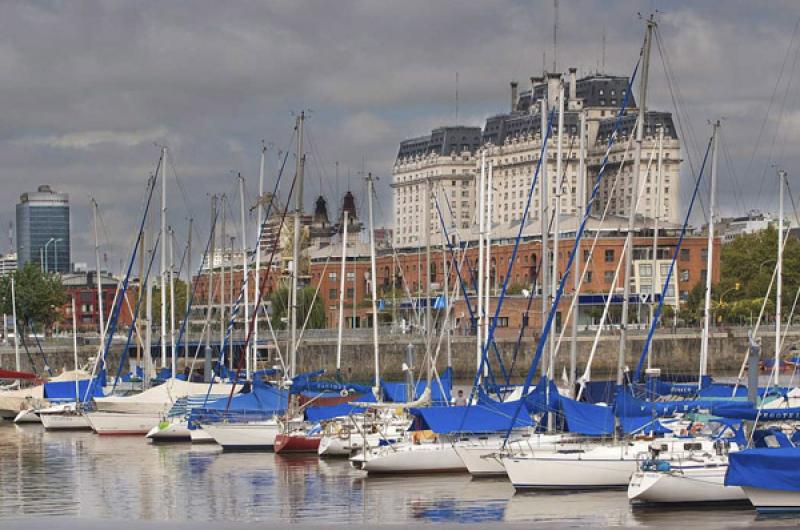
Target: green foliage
point(180, 303)
point(39, 296)
point(746, 267)
point(279, 300)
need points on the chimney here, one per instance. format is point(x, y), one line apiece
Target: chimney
point(513, 95)
point(573, 83)
point(553, 81)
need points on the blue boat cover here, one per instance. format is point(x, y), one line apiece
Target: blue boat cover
point(537, 401)
point(317, 414)
point(65, 390)
point(627, 405)
point(396, 391)
point(599, 391)
point(767, 468)
point(643, 425)
point(746, 411)
point(261, 399)
point(588, 419)
point(328, 388)
point(476, 419)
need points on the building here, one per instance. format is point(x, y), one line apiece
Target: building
point(511, 144)
point(729, 228)
point(447, 158)
point(43, 230)
point(8, 263)
point(82, 287)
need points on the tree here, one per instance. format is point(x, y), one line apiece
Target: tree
point(180, 303)
point(39, 296)
point(279, 301)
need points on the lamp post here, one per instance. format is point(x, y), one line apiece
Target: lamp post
point(46, 268)
point(734, 288)
point(55, 253)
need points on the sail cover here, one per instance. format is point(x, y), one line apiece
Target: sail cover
point(481, 418)
point(588, 419)
point(767, 468)
point(396, 391)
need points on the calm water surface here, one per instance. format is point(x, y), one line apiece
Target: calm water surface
point(80, 480)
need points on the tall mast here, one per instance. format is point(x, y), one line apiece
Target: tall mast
point(544, 226)
point(342, 272)
point(481, 233)
point(556, 225)
point(373, 277)
point(257, 286)
point(637, 162)
point(446, 293)
point(298, 212)
point(173, 353)
point(428, 313)
point(245, 276)
point(148, 343)
point(164, 258)
point(709, 257)
point(75, 347)
point(14, 316)
point(230, 301)
point(656, 214)
point(210, 267)
point(101, 316)
point(580, 209)
point(188, 288)
point(222, 236)
point(779, 277)
point(488, 268)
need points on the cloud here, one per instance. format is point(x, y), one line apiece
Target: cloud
point(90, 139)
point(89, 87)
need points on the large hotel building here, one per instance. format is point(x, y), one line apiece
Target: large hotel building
point(451, 157)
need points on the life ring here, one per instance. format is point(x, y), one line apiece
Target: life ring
point(344, 392)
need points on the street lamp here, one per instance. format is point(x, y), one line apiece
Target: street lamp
point(55, 252)
point(734, 288)
point(46, 268)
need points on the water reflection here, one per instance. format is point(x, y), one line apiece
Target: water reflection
point(81, 475)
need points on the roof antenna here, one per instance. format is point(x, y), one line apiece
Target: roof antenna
point(456, 97)
point(555, 36)
point(603, 57)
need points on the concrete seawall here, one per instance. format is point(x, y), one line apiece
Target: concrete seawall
point(676, 351)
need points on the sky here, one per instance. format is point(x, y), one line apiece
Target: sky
point(91, 89)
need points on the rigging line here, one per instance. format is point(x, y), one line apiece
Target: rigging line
point(664, 290)
point(737, 187)
point(124, 356)
point(182, 190)
point(588, 208)
point(757, 143)
point(111, 326)
point(684, 121)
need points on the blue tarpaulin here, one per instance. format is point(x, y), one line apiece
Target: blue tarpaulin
point(396, 391)
point(537, 401)
point(599, 391)
point(626, 405)
point(476, 419)
point(746, 411)
point(65, 390)
point(773, 469)
point(588, 419)
point(261, 399)
point(317, 414)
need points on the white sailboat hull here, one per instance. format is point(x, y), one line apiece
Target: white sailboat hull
point(482, 458)
point(175, 431)
point(685, 485)
point(106, 423)
point(766, 501)
point(568, 472)
point(27, 416)
point(407, 458)
point(258, 436)
point(64, 421)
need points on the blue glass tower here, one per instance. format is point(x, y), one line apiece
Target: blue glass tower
point(43, 234)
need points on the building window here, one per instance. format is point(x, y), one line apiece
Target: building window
point(704, 254)
point(609, 255)
point(349, 292)
point(331, 294)
point(332, 276)
point(588, 276)
point(685, 254)
point(645, 270)
point(608, 276)
point(502, 322)
point(684, 275)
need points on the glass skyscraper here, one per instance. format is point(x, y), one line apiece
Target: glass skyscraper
point(43, 230)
